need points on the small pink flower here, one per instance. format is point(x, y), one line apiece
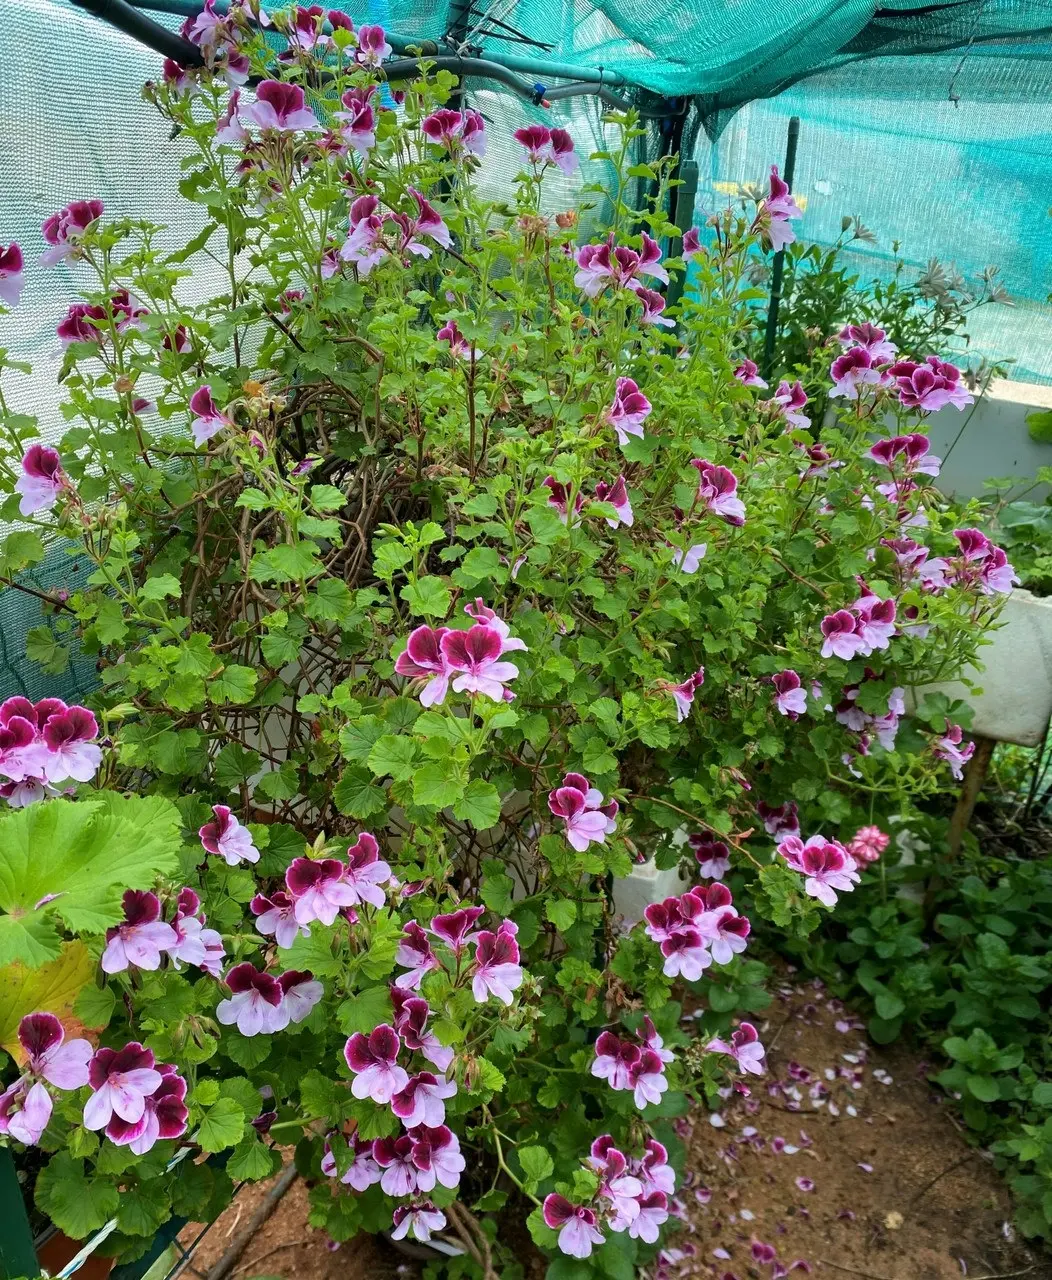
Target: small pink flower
point(876, 622)
point(559, 498)
point(729, 935)
point(851, 371)
point(414, 952)
point(164, 1117)
point(318, 889)
point(194, 943)
point(300, 992)
point(398, 1159)
point(868, 844)
point(652, 1215)
point(207, 418)
point(81, 324)
point(411, 1014)
point(689, 561)
point(616, 495)
point(949, 748)
point(653, 306)
point(562, 153)
point(423, 659)
point(614, 1060)
point(366, 871)
point(646, 1078)
point(870, 337)
point(256, 1003)
point(282, 107)
point(142, 937)
point(773, 215)
point(842, 640)
point(581, 807)
point(628, 412)
point(455, 929)
point(363, 1171)
point(364, 245)
point(227, 838)
point(744, 1047)
point(25, 1112)
point(61, 1062)
point(790, 698)
point(683, 694)
point(497, 969)
point(422, 1100)
point(41, 481)
point(538, 143)
point(228, 127)
point(686, 955)
point(654, 1170)
point(713, 856)
point(748, 374)
point(826, 865)
point(421, 1218)
point(11, 277)
point(121, 1080)
point(790, 399)
point(576, 1225)
point(373, 1059)
point(70, 753)
point(372, 46)
point(276, 917)
point(691, 247)
point(64, 230)
point(717, 490)
point(931, 385)
point(458, 344)
point(475, 656)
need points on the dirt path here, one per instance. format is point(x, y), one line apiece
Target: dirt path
point(842, 1161)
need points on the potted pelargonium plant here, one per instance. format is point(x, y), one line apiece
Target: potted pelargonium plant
point(439, 574)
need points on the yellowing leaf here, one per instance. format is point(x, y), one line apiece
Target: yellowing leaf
point(52, 988)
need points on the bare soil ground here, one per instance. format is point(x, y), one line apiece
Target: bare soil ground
point(842, 1160)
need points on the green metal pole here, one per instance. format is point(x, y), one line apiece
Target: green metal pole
point(17, 1255)
point(771, 335)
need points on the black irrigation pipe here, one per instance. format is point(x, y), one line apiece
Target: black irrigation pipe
point(131, 21)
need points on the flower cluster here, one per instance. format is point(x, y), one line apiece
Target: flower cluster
point(470, 660)
point(495, 970)
point(633, 1196)
point(826, 865)
point(43, 746)
point(637, 1065)
point(696, 929)
point(26, 1105)
point(588, 818)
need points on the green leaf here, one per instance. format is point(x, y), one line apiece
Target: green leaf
point(159, 588)
point(234, 765)
point(221, 1126)
point(985, 1088)
point(326, 497)
point(889, 1005)
point(561, 912)
point(76, 1204)
point(80, 856)
point(393, 754)
point(364, 1011)
point(536, 1163)
point(479, 805)
point(143, 1208)
point(356, 795)
point(20, 550)
point(280, 648)
point(1042, 1095)
point(437, 784)
point(884, 1031)
point(1039, 424)
point(234, 684)
point(252, 1160)
point(428, 597)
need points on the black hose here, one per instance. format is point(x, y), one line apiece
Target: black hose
point(169, 44)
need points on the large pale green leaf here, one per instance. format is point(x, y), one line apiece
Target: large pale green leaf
point(53, 987)
point(74, 859)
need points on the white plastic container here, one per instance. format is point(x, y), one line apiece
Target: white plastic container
point(1016, 679)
